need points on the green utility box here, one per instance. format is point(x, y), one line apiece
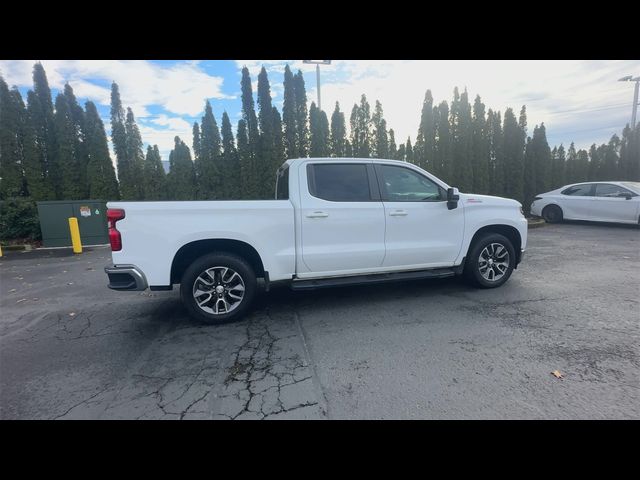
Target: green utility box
point(54, 222)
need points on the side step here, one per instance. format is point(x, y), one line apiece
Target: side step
point(371, 278)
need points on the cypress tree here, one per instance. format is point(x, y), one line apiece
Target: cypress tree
point(101, 176)
point(401, 153)
point(496, 162)
point(230, 161)
point(444, 146)
point(41, 169)
point(302, 130)
point(155, 182)
point(480, 148)
point(70, 187)
point(557, 168)
point(251, 181)
point(181, 179)
point(462, 129)
point(630, 154)
point(135, 155)
point(529, 184)
point(318, 132)
point(128, 190)
point(571, 173)
point(266, 157)
point(409, 152)
point(393, 149)
point(77, 120)
point(360, 131)
point(582, 168)
point(513, 151)
point(208, 172)
point(338, 133)
point(278, 148)
point(426, 139)
point(380, 134)
point(348, 149)
point(542, 160)
point(611, 160)
point(196, 142)
point(289, 115)
point(12, 118)
point(244, 157)
point(594, 163)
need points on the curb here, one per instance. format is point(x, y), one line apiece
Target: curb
point(537, 223)
point(10, 248)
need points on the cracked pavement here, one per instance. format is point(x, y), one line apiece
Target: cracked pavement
point(72, 349)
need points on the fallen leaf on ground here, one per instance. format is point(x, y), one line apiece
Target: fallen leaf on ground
point(72, 314)
point(22, 300)
point(12, 290)
point(557, 374)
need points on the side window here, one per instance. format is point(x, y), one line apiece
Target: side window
point(339, 182)
point(401, 184)
point(282, 183)
point(610, 190)
point(579, 190)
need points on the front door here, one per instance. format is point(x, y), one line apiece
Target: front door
point(342, 222)
point(609, 206)
point(421, 230)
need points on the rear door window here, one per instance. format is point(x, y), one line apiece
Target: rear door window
point(585, 190)
point(339, 182)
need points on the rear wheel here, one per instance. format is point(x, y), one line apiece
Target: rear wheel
point(552, 214)
point(218, 288)
point(490, 261)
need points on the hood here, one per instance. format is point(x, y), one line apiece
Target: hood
point(469, 199)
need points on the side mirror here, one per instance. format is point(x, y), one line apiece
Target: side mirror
point(452, 198)
point(625, 195)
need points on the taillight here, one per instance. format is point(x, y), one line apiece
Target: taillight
point(113, 215)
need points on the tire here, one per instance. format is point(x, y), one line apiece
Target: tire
point(224, 277)
point(477, 264)
point(552, 214)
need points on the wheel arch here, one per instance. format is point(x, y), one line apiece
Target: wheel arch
point(508, 231)
point(194, 250)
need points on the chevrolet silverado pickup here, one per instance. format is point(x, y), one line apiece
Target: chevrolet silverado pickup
point(334, 221)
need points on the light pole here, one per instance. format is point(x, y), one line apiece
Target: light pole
point(634, 110)
point(317, 64)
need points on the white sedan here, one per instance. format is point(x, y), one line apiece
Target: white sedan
point(595, 201)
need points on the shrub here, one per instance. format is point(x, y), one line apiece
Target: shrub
point(19, 219)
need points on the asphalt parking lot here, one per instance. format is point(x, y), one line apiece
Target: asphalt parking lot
point(72, 349)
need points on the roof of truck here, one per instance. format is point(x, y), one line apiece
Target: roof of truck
point(347, 159)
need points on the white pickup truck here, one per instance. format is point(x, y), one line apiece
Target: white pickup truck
point(334, 221)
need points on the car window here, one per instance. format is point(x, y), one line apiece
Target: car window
point(579, 190)
point(282, 183)
point(611, 190)
point(402, 184)
point(633, 185)
point(339, 182)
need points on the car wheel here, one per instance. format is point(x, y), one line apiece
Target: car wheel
point(218, 288)
point(490, 261)
point(552, 214)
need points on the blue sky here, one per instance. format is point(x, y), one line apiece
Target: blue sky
point(578, 101)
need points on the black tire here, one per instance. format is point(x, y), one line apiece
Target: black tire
point(238, 308)
point(552, 214)
point(472, 267)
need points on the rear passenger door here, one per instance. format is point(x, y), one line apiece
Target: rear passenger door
point(342, 217)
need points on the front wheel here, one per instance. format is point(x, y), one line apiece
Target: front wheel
point(218, 288)
point(490, 261)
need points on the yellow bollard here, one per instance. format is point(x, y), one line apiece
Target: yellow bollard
point(0, 250)
point(75, 235)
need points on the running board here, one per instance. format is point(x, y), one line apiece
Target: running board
point(371, 278)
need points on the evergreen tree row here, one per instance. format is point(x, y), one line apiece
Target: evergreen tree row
point(58, 150)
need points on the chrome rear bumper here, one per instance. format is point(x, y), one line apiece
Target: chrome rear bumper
point(126, 277)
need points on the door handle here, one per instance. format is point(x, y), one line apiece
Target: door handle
point(398, 213)
point(317, 215)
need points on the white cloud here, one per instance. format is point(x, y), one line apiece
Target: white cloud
point(179, 88)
